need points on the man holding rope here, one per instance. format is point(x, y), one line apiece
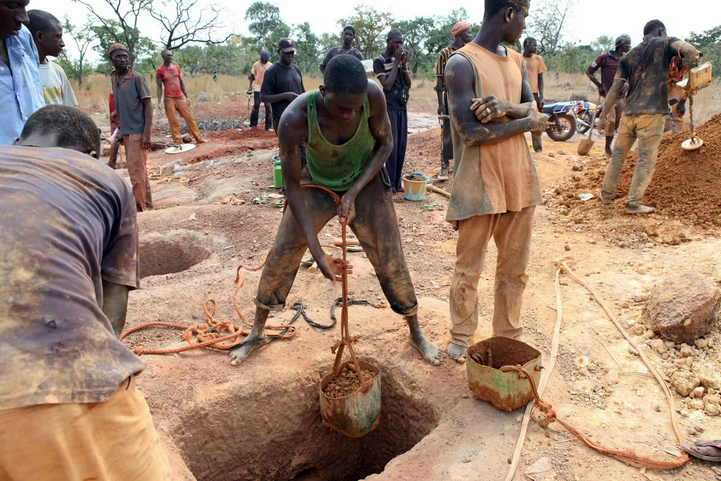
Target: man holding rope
point(348, 137)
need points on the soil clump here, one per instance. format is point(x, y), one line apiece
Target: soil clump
point(346, 383)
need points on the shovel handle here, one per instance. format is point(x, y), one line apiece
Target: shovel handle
point(593, 120)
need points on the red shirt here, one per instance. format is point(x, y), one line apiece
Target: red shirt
point(171, 81)
point(608, 63)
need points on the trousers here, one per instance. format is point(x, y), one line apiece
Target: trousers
point(648, 129)
point(137, 159)
point(512, 234)
point(394, 163)
point(181, 107)
point(376, 227)
point(113, 440)
point(256, 111)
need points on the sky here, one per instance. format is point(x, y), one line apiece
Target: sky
point(589, 20)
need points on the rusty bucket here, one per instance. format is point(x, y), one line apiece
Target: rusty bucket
point(354, 415)
point(505, 390)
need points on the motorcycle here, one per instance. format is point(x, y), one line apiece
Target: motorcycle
point(561, 120)
point(584, 115)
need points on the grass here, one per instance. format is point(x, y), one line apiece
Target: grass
point(93, 96)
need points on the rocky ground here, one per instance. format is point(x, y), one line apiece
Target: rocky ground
point(217, 209)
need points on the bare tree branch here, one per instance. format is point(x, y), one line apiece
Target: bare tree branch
point(188, 24)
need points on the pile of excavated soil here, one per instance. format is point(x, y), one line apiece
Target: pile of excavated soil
point(346, 383)
point(233, 142)
point(243, 135)
point(686, 185)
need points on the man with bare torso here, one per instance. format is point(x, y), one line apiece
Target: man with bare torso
point(348, 137)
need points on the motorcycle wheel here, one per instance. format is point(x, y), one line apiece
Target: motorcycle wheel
point(586, 117)
point(561, 127)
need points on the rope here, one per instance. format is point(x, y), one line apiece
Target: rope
point(627, 456)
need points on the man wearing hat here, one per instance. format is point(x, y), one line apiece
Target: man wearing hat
point(608, 63)
point(257, 73)
point(462, 34)
point(348, 36)
point(134, 107)
point(283, 81)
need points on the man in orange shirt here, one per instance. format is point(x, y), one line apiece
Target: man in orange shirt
point(535, 66)
point(495, 186)
point(257, 73)
point(168, 76)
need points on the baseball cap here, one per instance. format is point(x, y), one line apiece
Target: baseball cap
point(623, 39)
point(286, 45)
point(264, 55)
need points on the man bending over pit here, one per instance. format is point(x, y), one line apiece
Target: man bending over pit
point(495, 187)
point(348, 137)
point(69, 408)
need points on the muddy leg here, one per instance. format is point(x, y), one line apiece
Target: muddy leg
point(457, 352)
point(430, 352)
point(255, 339)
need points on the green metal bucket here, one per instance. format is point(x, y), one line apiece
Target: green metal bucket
point(356, 414)
point(505, 390)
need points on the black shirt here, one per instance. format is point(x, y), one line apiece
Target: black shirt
point(280, 79)
point(335, 51)
point(645, 68)
point(384, 66)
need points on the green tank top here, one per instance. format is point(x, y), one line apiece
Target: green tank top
point(337, 167)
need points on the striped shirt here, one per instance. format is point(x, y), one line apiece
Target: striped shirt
point(443, 57)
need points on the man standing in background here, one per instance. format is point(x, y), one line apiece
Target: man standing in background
point(47, 33)
point(283, 81)
point(535, 66)
point(608, 63)
point(135, 114)
point(348, 36)
point(391, 68)
point(21, 92)
point(462, 34)
point(257, 73)
point(168, 76)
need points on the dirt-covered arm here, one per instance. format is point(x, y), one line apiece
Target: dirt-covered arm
point(292, 131)
point(459, 83)
point(611, 98)
point(115, 305)
point(380, 128)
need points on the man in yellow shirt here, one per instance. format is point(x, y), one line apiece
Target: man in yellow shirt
point(535, 66)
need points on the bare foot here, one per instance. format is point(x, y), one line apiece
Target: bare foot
point(240, 353)
point(457, 352)
point(430, 352)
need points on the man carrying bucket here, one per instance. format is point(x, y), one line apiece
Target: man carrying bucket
point(348, 137)
point(495, 187)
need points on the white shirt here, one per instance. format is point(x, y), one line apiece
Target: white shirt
point(56, 88)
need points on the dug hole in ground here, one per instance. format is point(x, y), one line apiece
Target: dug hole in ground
point(261, 420)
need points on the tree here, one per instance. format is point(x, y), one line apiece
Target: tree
point(124, 27)
point(187, 23)
point(308, 44)
point(547, 22)
point(709, 43)
point(83, 38)
point(604, 43)
point(266, 26)
point(111, 32)
point(369, 26)
point(415, 34)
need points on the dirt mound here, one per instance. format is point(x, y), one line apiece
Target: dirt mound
point(243, 135)
point(232, 142)
point(685, 184)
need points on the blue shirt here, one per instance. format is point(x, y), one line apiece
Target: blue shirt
point(21, 92)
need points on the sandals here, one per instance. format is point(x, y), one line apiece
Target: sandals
point(706, 450)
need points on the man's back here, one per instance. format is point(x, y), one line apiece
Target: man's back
point(68, 223)
point(56, 87)
point(646, 68)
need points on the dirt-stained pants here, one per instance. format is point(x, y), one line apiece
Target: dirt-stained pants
point(111, 440)
point(180, 106)
point(512, 233)
point(615, 116)
point(376, 227)
point(137, 159)
point(648, 129)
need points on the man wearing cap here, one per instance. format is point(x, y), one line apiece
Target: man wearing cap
point(257, 73)
point(283, 81)
point(348, 36)
point(462, 34)
point(608, 63)
point(135, 114)
point(168, 76)
point(21, 91)
point(535, 66)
